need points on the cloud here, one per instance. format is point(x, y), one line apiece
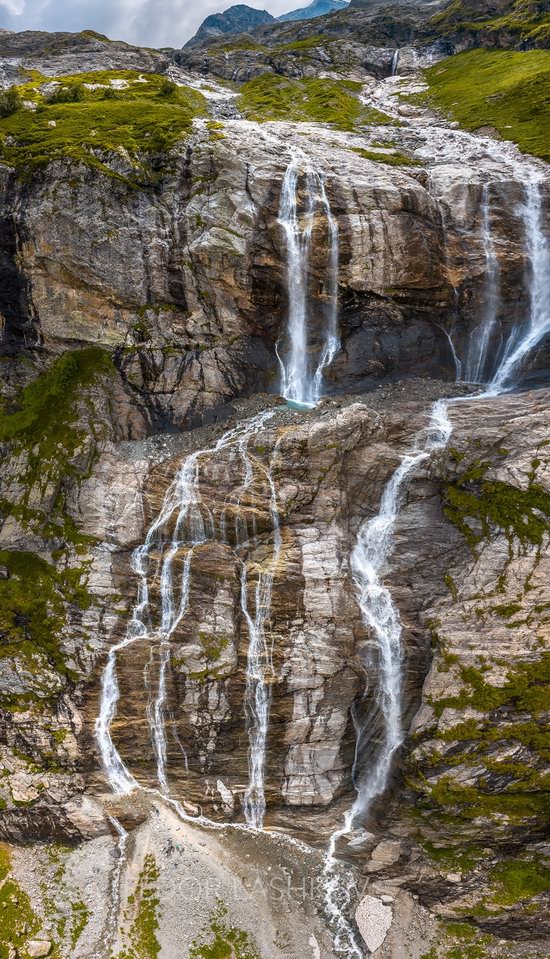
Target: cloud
point(152, 23)
point(15, 7)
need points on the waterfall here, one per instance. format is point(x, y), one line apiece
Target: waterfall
point(259, 666)
point(524, 338)
point(302, 376)
point(192, 525)
point(375, 543)
point(476, 364)
point(380, 616)
point(522, 342)
point(394, 63)
point(456, 359)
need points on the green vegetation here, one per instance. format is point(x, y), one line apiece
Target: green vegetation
point(524, 21)
point(81, 916)
point(457, 860)
point(10, 102)
point(222, 940)
point(18, 922)
point(143, 906)
point(510, 792)
point(390, 159)
point(308, 44)
point(271, 97)
point(145, 118)
point(44, 429)
point(504, 89)
point(33, 600)
point(519, 879)
point(526, 689)
point(523, 514)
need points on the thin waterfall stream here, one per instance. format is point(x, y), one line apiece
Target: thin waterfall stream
point(477, 359)
point(302, 368)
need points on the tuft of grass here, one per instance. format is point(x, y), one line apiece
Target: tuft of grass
point(10, 102)
point(270, 97)
point(148, 117)
point(222, 940)
point(390, 159)
point(507, 90)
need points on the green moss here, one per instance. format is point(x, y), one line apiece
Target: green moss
point(533, 735)
point(458, 860)
point(81, 916)
point(222, 940)
point(507, 610)
point(504, 89)
point(43, 427)
point(526, 689)
point(308, 44)
point(519, 879)
point(145, 118)
point(213, 646)
point(390, 159)
point(18, 922)
point(270, 97)
point(33, 602)
point(523, 514)
point(142, 912)
point(469, 802)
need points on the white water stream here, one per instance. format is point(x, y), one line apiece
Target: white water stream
point(375, 543)
point(477, 359)
point(302, 367)
point(191, 523)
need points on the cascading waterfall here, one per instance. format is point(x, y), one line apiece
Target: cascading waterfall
point(476, 363)
point(302, 376)
point(193, 524)
point(375, 543)
point(380, 615)
point(522, 342)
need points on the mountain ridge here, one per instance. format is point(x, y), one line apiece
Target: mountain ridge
point(240, 18)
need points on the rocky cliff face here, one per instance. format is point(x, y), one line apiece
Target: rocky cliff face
point(142, 307)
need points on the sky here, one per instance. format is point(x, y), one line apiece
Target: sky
point(152, 23)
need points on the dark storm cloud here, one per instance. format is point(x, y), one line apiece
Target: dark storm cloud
point(153, 23)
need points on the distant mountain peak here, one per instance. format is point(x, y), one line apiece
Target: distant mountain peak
point(236, 19)
point(318, 8)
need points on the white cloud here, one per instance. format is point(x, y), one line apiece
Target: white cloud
point(153, 23)
point(15, 7)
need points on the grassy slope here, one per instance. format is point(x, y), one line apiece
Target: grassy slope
point(500, 88)
point(271, 97)
point(526, 20)
point(149, 116)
